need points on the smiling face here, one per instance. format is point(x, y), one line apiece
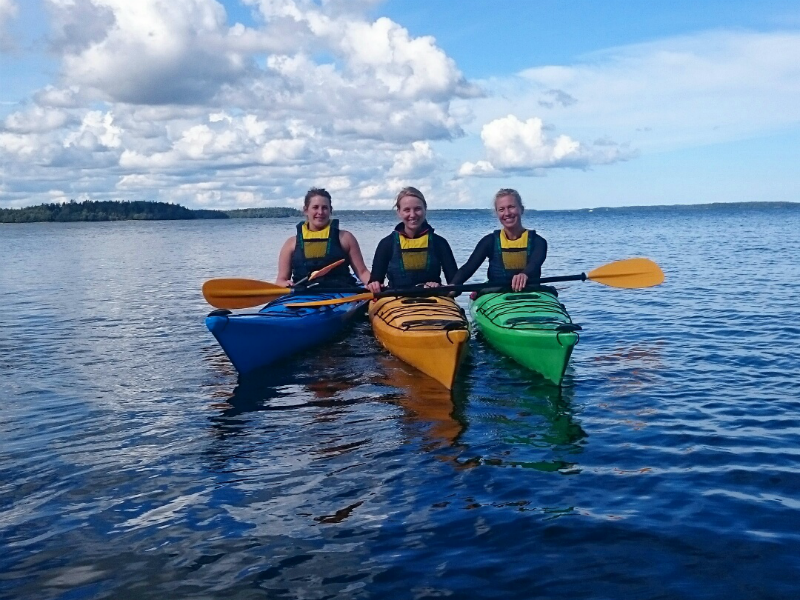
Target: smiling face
point(318, 213)
point(509, 213)
point(411, 211)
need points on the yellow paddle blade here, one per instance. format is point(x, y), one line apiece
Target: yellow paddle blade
point(332, 301)
point(232, 293)
point(629, 273)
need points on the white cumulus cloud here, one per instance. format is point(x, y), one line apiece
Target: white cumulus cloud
point(522, 147)
point(36, 119)
point(148, 51)
point(416, 162)
point(163, 99)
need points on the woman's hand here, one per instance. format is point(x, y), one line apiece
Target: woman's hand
point(430, 284)
point(519, 281)
point(374, 287)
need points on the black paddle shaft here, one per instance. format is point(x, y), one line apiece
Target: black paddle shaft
point(435, 291)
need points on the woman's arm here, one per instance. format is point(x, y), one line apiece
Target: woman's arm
point(482, 251)
point(533, 270)
point(534, 267)
point(350, 245)
point(380, 264)
point(449, 266)
point(285, 262)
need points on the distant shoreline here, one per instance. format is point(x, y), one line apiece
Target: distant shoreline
point(72, 212)
point(112, 210)
point(656, 207)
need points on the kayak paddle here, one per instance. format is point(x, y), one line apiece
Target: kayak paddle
point(235, 292)
point(630, 273)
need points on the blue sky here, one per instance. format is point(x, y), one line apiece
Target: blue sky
point(239, 103)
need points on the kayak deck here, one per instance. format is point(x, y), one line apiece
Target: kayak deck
point(429, 333)
point(531, 327)
point(255, 340)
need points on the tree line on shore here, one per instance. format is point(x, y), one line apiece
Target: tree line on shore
point(112, 210)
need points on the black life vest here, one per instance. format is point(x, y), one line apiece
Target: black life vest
point(316, 249)
point(414, 260)
point(509, 257)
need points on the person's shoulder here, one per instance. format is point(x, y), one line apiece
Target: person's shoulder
point(290, 242)
point(441, 242)
point(346, 238)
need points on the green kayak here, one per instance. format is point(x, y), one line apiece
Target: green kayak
point(532, 327)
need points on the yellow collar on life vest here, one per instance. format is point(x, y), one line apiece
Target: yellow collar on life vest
point(322, 234)
point(521, 242)
point(414, 243)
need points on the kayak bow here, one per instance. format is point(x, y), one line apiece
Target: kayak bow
point(531, 327)
point(430, 334)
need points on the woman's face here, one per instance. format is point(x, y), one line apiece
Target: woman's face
point(509, 213)
point(318, 212)
point(411, 211)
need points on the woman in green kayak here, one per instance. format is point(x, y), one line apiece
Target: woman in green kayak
point(412, 254)
point(515, 254)
point(318, 243)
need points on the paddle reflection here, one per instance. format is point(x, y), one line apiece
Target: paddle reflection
point(630, 369)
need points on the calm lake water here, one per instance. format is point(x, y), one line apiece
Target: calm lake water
point(136, 465)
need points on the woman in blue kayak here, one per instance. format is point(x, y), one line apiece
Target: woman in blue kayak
point(515, 254)
point(412, 254)
point(318, 243)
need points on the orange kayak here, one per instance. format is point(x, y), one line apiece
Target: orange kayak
point(430, 334)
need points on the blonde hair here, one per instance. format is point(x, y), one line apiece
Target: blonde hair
point(508, 192)
point(410, 191)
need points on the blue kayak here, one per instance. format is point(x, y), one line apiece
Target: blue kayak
point(255, 340)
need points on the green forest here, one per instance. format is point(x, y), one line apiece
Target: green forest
point(90, 210)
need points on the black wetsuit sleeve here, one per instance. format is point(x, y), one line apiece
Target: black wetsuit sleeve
point(380, 264)
point(446, 258)
point(481, 253)
point(534, 267)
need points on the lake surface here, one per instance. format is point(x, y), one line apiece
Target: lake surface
point(136, 465)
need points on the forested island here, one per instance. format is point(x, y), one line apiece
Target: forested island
point(131, 211)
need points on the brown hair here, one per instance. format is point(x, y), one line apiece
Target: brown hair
point(410, 191)
point(508, 192)
point(316, 192)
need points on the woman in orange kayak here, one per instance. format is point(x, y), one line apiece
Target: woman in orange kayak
point(515, 254)
point(412, 254)
point(318, 243)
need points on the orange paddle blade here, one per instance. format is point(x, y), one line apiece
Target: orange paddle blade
point(332, 301)
point(629, 273)
point(233, 293)
point(325, 270)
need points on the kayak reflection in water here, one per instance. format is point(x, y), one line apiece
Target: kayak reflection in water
point(515, 254)
point(318, 243)
point(412, 254)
